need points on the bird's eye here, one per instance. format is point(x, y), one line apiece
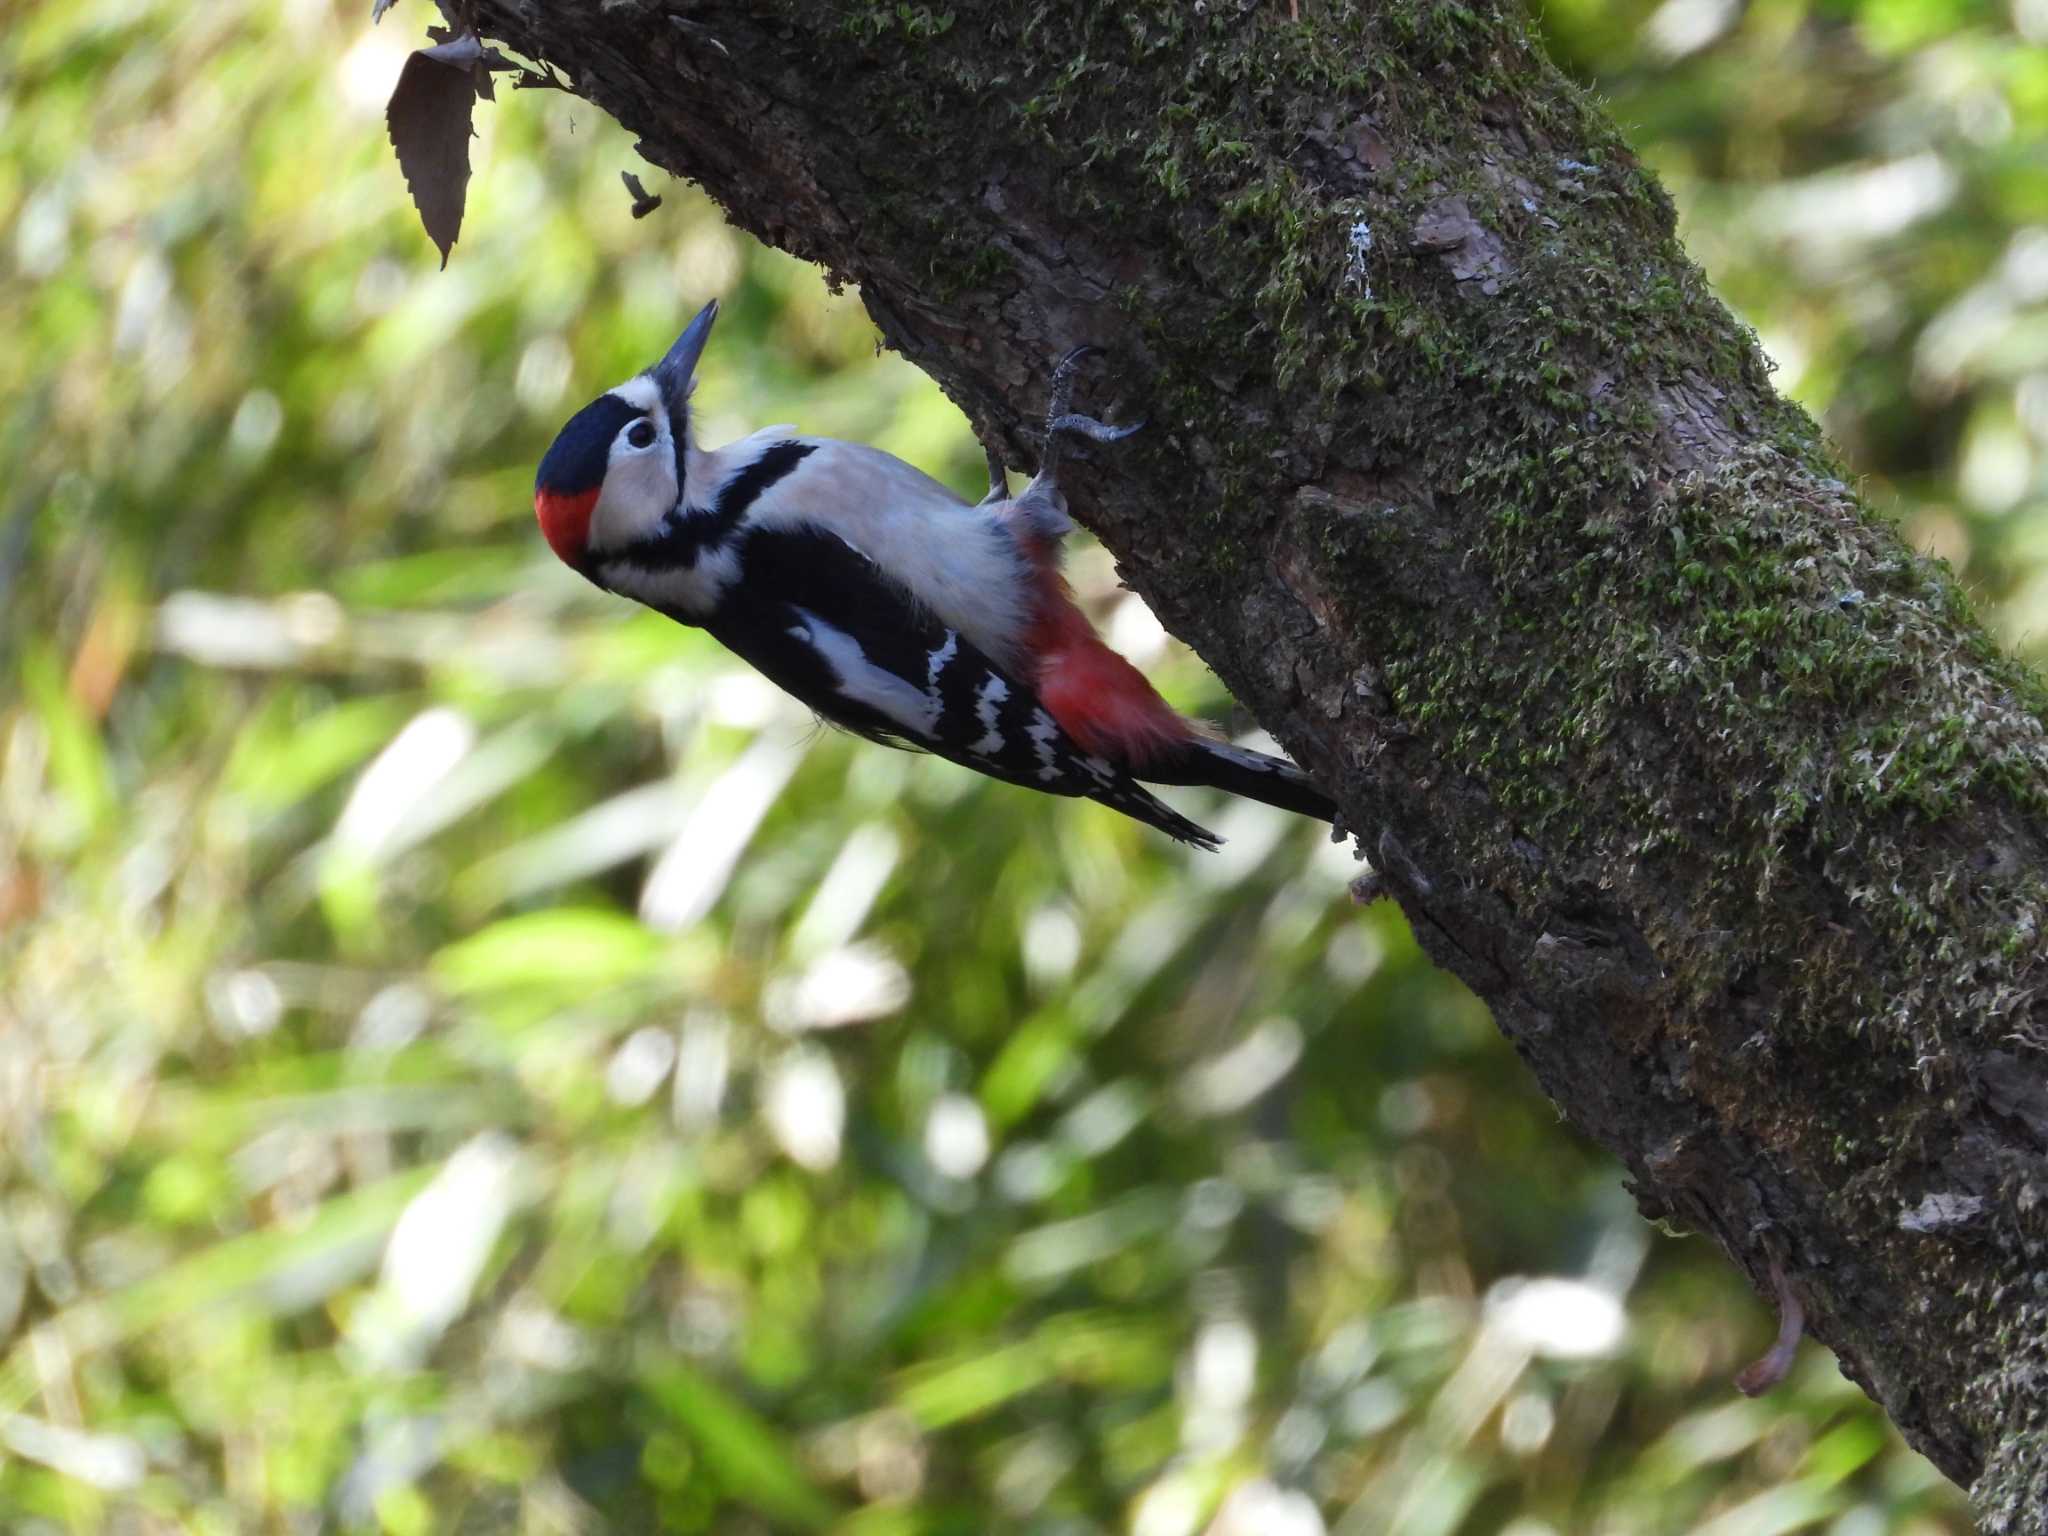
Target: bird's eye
point(641, 434)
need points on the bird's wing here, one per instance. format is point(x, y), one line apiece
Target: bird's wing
point(961, 561)
point(821, 620)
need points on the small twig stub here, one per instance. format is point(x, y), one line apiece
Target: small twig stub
point(644, 202)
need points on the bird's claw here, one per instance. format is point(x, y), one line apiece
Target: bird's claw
point(1089, 427)
point(998, 473)
point(1776, 1363)
point(1061, 422)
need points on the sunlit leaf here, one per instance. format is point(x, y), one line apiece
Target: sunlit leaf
point(755, 1463)
point(79, 771)
point(944, 1392)
point(578, 949)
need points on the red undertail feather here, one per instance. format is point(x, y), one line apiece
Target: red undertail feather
point(1099, 699)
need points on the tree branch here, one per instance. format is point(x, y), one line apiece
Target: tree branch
point(1471, 491)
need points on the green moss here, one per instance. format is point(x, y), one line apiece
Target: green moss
point(914, 22)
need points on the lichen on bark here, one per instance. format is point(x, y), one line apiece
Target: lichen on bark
point(1474, 494)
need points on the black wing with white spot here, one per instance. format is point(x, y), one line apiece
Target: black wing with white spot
point(819, 619)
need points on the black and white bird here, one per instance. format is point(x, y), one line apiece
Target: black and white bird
point(884, 602)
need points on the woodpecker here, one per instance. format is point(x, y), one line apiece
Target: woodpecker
point(880, 599)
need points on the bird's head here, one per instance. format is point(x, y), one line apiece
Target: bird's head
point(616, 470)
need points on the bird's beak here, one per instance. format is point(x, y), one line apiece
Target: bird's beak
point(674, 372)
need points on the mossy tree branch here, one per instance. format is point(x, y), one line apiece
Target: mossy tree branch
point(1478, 499)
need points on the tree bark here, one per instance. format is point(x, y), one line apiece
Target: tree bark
point(1471, 491)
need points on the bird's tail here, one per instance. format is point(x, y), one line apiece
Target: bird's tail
point(1239, 771)
point(1133, 801)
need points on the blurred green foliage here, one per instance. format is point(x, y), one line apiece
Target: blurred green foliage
point(472, 1059)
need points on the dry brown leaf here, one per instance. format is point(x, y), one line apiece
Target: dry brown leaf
point(429, 123)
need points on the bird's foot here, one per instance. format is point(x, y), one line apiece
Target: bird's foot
point(1060, 421)
point(1776, 1364)
point(998, 473)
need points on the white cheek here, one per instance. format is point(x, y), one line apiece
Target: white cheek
point(639, 490)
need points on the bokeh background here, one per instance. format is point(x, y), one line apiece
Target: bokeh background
point(472, 1059)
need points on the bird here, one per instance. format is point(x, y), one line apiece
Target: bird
point(889, 605)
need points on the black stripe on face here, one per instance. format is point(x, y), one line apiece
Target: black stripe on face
point(745, 488)
point(686, 531)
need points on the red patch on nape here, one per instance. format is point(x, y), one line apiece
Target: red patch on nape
point(565, 520)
